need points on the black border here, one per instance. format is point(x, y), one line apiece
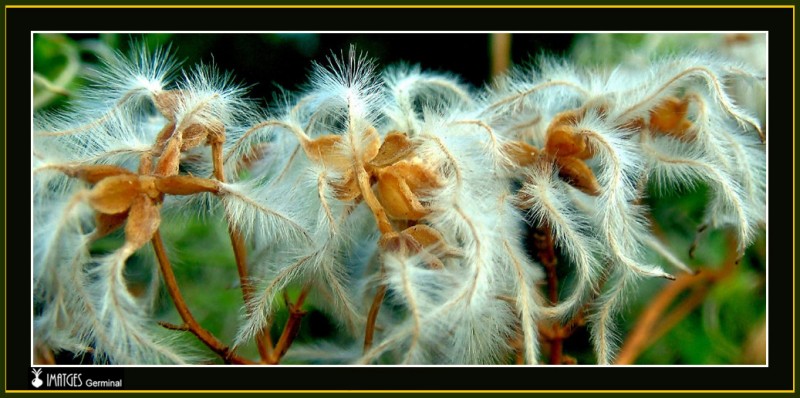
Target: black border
point(779, 22)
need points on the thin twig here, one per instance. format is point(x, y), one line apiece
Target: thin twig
point(183, 310)
point(653, 324)
point(240, 255)
point(292, 326)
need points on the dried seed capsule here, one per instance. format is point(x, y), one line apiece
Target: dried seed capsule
point(371, 142)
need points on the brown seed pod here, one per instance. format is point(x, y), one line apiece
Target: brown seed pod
point(371, 141)
point(397, 198)
point(425, 235)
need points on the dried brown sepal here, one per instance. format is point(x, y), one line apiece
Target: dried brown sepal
point(169, 162)
point(216, 132)
point(193, 136)
point(108, 223)
point(163, 138)
point(96, 173)
point(114, 194)
point(167, 103)
point(143, 221)
point(347, 188)
point(570, 118)
point(402, 244)
point(405, 244)
point(425, 235)
point(669, 118)
point(371, 142)
point(147, 185)
point(329, 151)
point(521, 153)
point(419, 176)
point(431, 238)
point(576, 173)
point(186, 185)
point(562, 140)
point(396, 147)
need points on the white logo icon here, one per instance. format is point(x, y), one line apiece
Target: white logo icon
point(37, 382)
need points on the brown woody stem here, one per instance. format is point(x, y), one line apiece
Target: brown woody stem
point(292, 326)
point(183, 310)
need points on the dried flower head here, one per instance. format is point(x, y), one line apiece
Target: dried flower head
point(399, 202)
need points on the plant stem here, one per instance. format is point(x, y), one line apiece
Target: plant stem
point(547, 257)
point(292, 326)
point(183, 310)
point(240, 255)
point(373, 316)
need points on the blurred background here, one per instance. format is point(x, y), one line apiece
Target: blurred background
point(715, 317)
